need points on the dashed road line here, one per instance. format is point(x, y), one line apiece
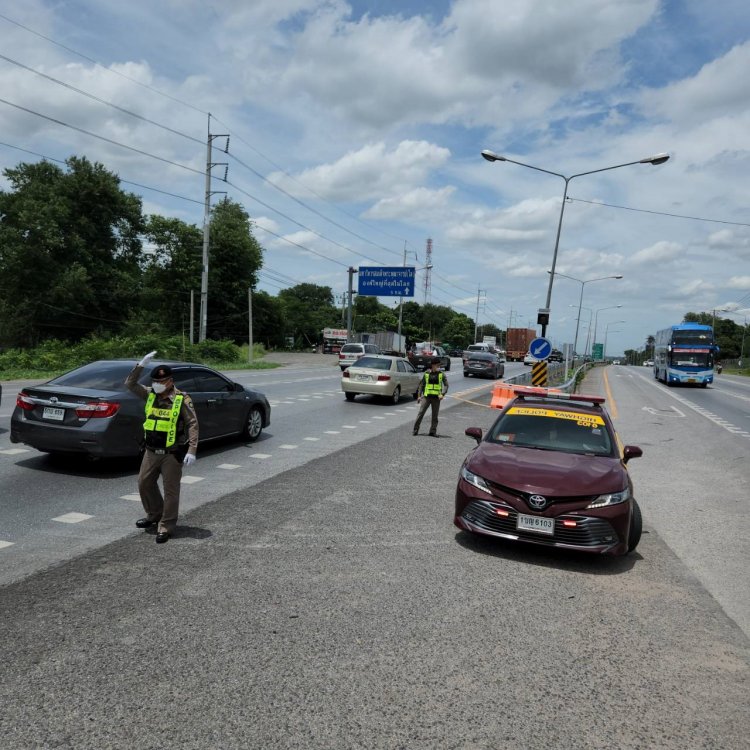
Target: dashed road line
point(348, 426)
point(260, 455)
point(229, 467)
point(191, 480)
point(332, 432)
point(14, 451)
point(4, 544)
point(135, 498)
point(288, 447)
point(72, 518)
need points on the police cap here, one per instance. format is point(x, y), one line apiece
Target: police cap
point(161, 372)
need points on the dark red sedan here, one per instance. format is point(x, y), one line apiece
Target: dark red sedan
point(550, 471)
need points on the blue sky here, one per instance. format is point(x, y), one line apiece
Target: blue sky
point(367, 120)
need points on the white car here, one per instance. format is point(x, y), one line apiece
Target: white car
point(381, 375)
point(529, 359)
point(352, 352)
point(648, 363)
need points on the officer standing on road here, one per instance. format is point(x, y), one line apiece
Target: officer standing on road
point(432, 390)
point(171, 434)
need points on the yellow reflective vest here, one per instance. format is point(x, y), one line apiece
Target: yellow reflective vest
point(433, 389)
point(160, 425)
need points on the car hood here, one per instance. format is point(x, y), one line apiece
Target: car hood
point(547, 473)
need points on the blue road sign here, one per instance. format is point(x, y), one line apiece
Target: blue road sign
point(386, 281)
point(540, 348)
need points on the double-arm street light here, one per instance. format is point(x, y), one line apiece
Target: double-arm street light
point(606, 333)
point(596, 321)
point(583, 283)
point(492, 156)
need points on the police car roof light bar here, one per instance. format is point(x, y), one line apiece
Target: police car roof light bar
point(546, 393)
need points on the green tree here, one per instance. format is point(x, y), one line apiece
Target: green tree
point(308, 309)
point(69, 251)
point(235, 257)
point(459, 331)
point(268, 320)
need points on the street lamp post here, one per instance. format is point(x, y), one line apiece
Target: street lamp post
point(606, 332)
point(583, 283)
point(492, 156)
point(596, 321)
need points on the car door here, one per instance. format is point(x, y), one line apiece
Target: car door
point(408, 375)
point(223, 412)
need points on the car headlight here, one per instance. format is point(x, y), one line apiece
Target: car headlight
point(477, 481)
point(611, 498)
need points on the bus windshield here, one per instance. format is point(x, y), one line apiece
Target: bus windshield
point(694, 359)
point(682, 336)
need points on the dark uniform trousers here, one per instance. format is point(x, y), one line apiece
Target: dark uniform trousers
point(161, 508)
point(434, 403)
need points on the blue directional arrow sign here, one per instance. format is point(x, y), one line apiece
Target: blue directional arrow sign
point(540, 348)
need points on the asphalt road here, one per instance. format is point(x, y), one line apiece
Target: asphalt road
point(333, 605)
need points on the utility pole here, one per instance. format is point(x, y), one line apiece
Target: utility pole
point(250, 324)
point(207, 222)
point(352, 271)
point(476, 320)
point(192, 316)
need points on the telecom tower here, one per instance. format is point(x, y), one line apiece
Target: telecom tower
point(428, 273)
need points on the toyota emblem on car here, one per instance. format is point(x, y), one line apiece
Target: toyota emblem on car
point(537, 501)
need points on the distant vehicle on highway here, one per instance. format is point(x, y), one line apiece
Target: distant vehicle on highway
point(684, 355)
point(550, 471)
point(380, 375)
point(529, 359)
point(487, 364)
point(89, 411)
point(455, 352)
point(424, 352)
point(350, 353)
point(648, 363)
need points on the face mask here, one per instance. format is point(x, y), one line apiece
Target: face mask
point(159, 387)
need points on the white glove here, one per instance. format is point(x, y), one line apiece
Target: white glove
point(189, 459)
point(147, 359)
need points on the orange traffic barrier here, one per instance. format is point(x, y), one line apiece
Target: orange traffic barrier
point(504, 392)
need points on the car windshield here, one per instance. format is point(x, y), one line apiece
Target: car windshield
point(374, 363)
point(548, 428)
point(106, 377)
point(350, 348)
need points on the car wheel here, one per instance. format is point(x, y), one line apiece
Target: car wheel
point(636, 527)
point(349, 396)
point(466, 374)
point(253, 424)
point(396, 397)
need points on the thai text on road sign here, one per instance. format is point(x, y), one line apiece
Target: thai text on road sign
point(386, 281)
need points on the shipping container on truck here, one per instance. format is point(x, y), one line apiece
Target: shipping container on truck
point(517, 341)
point(390, 343)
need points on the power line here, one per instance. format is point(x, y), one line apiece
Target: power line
point(100, 100)
point(99, 65)
point(101, 137)
point(660, 213)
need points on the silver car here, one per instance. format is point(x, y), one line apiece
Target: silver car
point(352, 352)
point(380, 375)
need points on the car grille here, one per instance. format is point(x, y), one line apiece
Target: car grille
point(590, 532)
point(501, 489)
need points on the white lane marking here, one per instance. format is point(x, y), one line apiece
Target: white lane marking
point(287, 402)
point(299, 398)
point(389, 413)
point(699, 409)
point(401, 410)
point(311, 439)
point(317, 397)
point(332, 432)
point(15, 451)
point(260, 455)
point(378, 417)
point(228, 466)
point(288, 447)
point(4, 544)
point(191, 480)
point(365, 421)
point(72, 518)
point(136, 498)
point(348, 426)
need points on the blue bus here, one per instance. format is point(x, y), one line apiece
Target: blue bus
point(685, 354)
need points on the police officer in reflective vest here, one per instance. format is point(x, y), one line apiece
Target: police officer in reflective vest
point(170, 429)
point(432, 390)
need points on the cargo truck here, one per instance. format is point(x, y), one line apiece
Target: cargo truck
point(391, 343)
point(517, 342)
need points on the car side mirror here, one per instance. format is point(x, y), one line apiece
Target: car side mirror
point(631, 451)
point(474, 432)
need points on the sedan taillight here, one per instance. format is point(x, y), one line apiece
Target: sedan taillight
point(97, 409)
point(24, 402)
point(383, 378)
point(345, 374)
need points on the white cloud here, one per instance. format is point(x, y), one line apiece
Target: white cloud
point(739, 282)
point(659, 252)
point(418, 204)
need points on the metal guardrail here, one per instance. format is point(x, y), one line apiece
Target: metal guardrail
point(555, 374)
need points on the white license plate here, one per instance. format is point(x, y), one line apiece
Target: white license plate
point(363, 378)
point(536, 524)
point(51, 412)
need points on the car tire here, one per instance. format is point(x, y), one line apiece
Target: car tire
point(636, 527)
point(253, 424)
point(466, 374)
point(396, 396)
point(349, 396)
